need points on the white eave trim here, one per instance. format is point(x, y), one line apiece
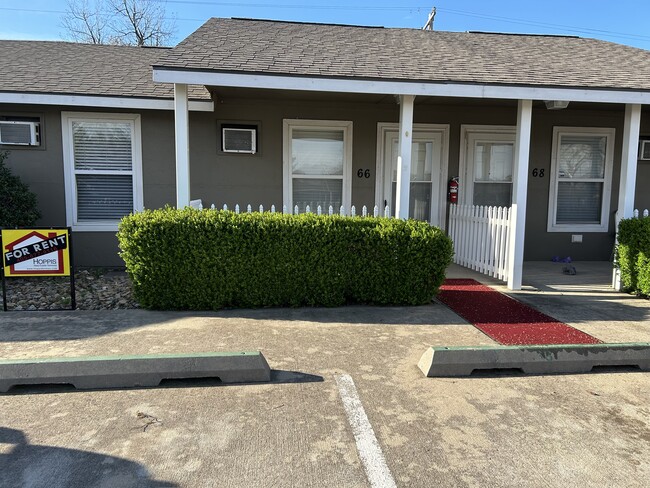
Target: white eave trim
point(100, 101)
point(381, 87)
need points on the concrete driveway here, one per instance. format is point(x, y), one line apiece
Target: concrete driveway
point(586, 430)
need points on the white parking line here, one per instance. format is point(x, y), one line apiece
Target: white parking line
point(370, 453)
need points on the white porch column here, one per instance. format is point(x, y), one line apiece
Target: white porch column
point(182, 125)
point(404, 157)
point(627, 183)
point(519, 194)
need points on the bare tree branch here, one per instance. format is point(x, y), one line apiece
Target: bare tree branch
point(141, 22)
point(129, 22)
point(86, 22)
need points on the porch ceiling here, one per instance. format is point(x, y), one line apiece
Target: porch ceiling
point(226, 94)
point(237, 93)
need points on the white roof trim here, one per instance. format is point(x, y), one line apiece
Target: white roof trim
point(101, 101)
point(382, 87)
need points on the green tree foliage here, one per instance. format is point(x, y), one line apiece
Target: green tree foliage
point(17, 203)
point(213, 259)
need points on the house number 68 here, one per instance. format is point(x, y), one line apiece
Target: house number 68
point(363, 173)
point(538, 173)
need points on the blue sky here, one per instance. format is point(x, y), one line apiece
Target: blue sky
point(623, 21)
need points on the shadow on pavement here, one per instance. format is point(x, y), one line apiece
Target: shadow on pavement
point(82, 324)
point(29, 465)
point(594, 306)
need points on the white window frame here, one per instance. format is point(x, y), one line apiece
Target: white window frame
point(67, 118)
point(383, 129)
point(487, 133)
point(603, 226)
point(288, 126)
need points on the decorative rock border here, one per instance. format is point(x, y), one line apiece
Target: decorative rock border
point(96, 289)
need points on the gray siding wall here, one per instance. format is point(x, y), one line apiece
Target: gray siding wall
point(257, 179)
point(42, 169)
point(219, 178)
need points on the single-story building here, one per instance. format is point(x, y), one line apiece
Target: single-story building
point(299, 114)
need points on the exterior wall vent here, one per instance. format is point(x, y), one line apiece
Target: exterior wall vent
point(239, 140)
point(19, 133)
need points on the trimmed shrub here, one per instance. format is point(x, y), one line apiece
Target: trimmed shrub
point(213, 259)
point(633, 254)
point(17, 204)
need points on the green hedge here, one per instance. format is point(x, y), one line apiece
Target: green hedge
point(212, 259)
point(633, 254)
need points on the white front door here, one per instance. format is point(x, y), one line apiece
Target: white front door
point(427, 154)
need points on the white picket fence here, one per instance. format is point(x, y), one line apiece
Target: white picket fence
point(480, 236)
point(319, 210)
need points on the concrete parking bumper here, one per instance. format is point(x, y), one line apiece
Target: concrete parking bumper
point(133, 371)
point(572, 358)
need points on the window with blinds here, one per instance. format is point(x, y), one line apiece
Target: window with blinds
point(581, 179)
point(317, 164)
point(102, 164)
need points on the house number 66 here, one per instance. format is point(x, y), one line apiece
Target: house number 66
point(363, 173)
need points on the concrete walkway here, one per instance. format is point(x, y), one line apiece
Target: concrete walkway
point(297, 431)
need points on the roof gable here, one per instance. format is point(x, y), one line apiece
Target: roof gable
point(398, 54)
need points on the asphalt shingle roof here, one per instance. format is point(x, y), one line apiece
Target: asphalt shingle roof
point(336, 51)
point(83, 69)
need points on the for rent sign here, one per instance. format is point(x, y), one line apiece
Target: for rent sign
point(36, 252)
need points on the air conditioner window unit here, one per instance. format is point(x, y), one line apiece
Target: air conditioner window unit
point(238, 140)
point(19, 133)
point(644, 150)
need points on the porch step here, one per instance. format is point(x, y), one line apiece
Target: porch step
point(550, 359)
point(134, 371)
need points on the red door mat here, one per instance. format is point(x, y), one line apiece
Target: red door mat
point(505, 319)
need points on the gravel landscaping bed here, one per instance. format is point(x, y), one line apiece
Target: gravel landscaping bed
point(96, 289)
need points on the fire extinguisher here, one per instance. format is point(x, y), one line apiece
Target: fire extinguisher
point(452, 190)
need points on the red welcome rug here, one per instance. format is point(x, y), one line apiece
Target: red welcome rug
point(505, 319)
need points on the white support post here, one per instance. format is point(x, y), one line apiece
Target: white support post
point(627, 183)
point(402, 196)
point(182, 125)
point(519, 194)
